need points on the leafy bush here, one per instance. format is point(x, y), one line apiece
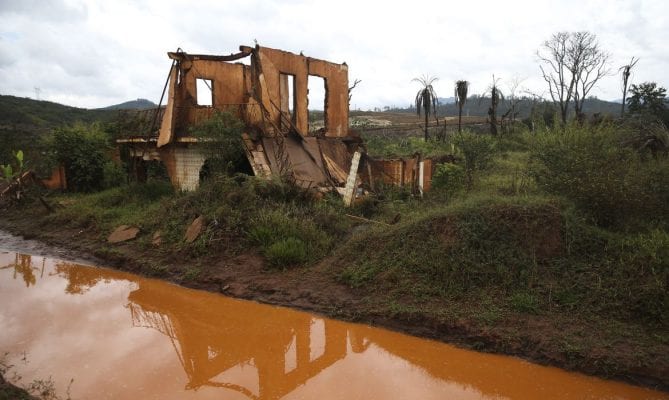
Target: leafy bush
point(606, 180)
point(524, 302)
point(222, 137)
point(287, 252)
point(114, 175)
point(477, 151)
point(448, 178)
point(270, 228)
point(82, 149)
point(644, 258)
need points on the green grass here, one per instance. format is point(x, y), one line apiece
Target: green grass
point(509, 230)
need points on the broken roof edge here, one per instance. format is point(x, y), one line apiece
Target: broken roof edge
point(244, 51)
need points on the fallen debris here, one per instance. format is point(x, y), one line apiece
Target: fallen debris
point(157, 238)
point(194, 230)
point(123, 233)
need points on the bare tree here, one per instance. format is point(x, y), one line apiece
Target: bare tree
point(589, 65)
point(626, 72)
point(350, 90)
point(512, 113)
point(426, 99)
point(573, 63)
point(461, 89)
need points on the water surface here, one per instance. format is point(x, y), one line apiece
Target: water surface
point(121, 336)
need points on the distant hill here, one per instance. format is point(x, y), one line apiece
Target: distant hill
point(45, 114)
point(24, 120)
point(139, 104)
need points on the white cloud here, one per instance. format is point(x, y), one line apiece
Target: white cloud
point(96, 53)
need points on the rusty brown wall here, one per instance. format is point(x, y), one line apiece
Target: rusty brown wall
point(336, 95)
point(57, 179)
point(242, 89)
point(274, 63)
point(388, 171)
point(427, 175)
point(401, 172)
point(230, 89)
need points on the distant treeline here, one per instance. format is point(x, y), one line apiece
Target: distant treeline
point(477, 106)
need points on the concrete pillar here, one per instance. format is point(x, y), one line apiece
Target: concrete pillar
point(183, 166)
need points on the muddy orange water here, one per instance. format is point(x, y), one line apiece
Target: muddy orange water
point(120, 336)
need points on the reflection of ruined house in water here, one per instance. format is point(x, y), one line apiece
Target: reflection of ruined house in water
point(23, 266)
point(266, 352)
point(271, 96)
point(211, 342)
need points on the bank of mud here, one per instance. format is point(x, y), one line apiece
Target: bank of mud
point(558, 339)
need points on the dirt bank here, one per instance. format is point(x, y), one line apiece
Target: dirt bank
point(551, 339)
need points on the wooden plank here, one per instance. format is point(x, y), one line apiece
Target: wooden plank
point(167, 124)
point(349, 193)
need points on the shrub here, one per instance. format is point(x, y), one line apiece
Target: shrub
point(82, 150)
point(114, 175)
point(606, 180)
point(448, 178)
point(287, 252)
point(271, 227)
point(223, 148)
point(477, 151)
point(524, 302)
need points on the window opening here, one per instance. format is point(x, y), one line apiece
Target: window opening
point(287, 93)
point(316, 89)
point(205, 92)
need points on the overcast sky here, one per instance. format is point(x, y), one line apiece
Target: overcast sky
point(97, 53)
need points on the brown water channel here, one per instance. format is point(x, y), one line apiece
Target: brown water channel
point(121, 336)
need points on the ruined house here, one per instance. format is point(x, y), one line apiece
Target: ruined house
point(268, 90)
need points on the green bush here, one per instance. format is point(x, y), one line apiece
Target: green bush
point(524, 302)
point(270, 226)
point(222, 138)
point(287, 252)
point(477, 151)
point(82, 149)
point(644, 259)
point(605, 179)
point(114, 175)
point(448, 178)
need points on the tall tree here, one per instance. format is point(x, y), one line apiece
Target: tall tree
point(647, 98)
point(589, 64)
point(461, 89)
point(573, 63)
point(426, 99)
point(626, 72)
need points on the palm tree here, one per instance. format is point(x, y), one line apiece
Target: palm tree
point(426, 99)
point(461, 88)
point(626, 71)
point(495, 96)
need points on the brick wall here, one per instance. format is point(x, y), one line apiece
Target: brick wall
point(183, 166)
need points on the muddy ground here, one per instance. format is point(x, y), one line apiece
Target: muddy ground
point(315, 288)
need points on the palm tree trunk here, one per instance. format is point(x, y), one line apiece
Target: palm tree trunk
point(460, 119)
point(426, 135)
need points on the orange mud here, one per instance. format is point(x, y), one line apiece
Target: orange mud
point(121, 336)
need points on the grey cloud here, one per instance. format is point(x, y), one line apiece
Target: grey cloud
point(55, 10)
